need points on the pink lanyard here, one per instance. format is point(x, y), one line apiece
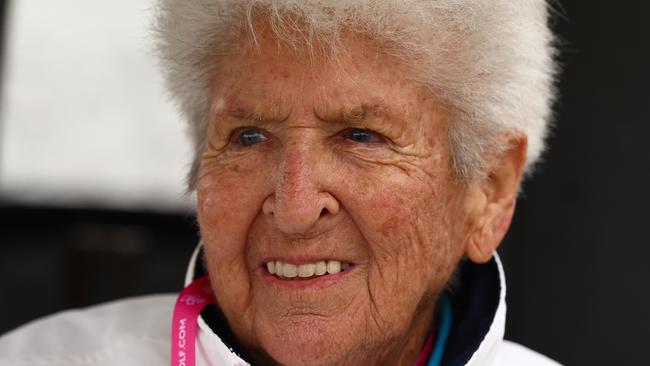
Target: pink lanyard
point(188, 306)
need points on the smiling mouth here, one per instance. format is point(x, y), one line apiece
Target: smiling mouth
point(305, 271)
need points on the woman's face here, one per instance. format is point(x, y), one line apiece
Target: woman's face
point(316, 166)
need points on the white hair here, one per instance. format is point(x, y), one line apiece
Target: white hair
point(490, 62)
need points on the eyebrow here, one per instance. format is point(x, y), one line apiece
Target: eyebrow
point(353, 116)
point(251, 115)
point(356, 115)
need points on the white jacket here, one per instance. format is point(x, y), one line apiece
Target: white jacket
point(137, 332)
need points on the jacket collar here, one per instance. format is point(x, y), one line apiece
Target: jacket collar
point(479, 320)
point(478, 326)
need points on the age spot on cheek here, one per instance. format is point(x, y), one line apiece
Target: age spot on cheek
point(237, 168)
point(390, 226)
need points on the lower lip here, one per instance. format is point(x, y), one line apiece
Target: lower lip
point(317, 282)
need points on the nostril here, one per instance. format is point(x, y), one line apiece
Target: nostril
point(330, 206)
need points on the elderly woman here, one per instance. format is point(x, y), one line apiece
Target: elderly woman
point(356, 165)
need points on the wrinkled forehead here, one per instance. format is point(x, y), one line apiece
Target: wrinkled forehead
point(269, 77)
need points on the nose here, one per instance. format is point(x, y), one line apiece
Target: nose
point(300, 199)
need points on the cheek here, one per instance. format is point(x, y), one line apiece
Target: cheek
point(227, 203)
point(408, 224)
point(223, 206)
point(399, 212)
point(228, 199)
point(408, 231)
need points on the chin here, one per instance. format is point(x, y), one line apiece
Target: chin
point(309, 341)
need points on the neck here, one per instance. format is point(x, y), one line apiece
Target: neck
point(421, 328)
point(406, 351)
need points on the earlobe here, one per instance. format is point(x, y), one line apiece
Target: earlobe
point(494, 200)
point(493, 225)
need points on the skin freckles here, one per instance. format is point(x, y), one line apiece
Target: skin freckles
point(305, 188)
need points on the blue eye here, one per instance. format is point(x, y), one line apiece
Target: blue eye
point(250, 136)
point(362, 135)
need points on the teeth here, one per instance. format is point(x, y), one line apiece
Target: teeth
point(333, 267)
point(290, 270)
point(306, 270)
point(321, 268)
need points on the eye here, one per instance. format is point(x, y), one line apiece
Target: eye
point(248, 136)
point(362, 135)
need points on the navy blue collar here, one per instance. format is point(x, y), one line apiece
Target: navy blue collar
point(474, 299)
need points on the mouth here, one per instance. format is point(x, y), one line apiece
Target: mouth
point(306, 271)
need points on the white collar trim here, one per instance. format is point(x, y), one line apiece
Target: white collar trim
point(487, 350)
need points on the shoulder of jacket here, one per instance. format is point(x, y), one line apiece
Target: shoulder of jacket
point(514, 354)
point(114, 333)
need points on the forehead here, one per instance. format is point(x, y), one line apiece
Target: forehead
point(278, 78)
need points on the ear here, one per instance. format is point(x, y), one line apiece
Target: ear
point(492, 201)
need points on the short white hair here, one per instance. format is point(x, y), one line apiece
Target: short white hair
point(490, 62)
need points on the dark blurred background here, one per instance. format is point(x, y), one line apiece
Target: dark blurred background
point(576, 255)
